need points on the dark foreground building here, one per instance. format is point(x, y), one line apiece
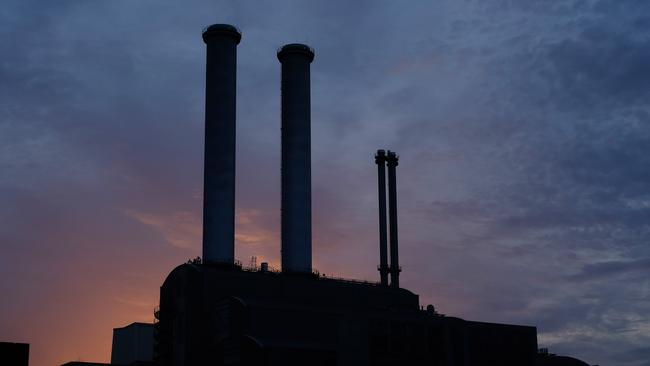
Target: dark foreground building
point(14, 354)
point(218, 313)
point(216, 316)
point(132, 343)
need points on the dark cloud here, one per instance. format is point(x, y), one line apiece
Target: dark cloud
point(601, 67)
point(614, 268)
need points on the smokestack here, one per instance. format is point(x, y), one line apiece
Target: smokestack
point(380, 160)
point(296, 157)
point(395, 269)
point(219, 166)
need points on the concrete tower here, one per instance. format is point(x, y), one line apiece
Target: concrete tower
point(219, 169)
point(296, 157)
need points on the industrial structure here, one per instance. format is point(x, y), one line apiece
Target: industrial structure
point(15, 354)
point(216, 312)
point(132, 345)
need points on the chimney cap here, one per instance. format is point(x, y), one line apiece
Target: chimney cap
point(222, 30)
point(380, 157)
point(296, 48)
point(392, 158)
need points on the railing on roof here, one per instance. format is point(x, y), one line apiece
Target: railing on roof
point(315, 272)
point(275, 270)
point(350, 280)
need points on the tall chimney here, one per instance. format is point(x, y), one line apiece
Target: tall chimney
point(219, 166)
point(395, 269)
point(380, 160)
point(296, 157)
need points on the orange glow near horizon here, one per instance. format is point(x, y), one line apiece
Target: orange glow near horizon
point(76, 306)
point(108, 278)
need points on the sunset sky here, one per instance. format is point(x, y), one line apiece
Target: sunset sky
point(523, 129)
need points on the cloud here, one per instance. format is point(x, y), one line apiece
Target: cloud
point(180, 229)
point(614, 268)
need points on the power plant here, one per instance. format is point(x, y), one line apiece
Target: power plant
point(214, 311)
point(217, 312)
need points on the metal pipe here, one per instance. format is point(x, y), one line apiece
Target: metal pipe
point(380, 160)
point(219, 166)
point(296, 157)
point(392, 160)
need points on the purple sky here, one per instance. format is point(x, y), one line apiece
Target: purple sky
point(523, 129)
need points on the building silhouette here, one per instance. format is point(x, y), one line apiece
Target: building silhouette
point(14, 354)
point(132, 343)
point(216, 312)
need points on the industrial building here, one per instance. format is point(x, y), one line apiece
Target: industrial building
point(216, 312)
point(14, 354)
point(133, 345)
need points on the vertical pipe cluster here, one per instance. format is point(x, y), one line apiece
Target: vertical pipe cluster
point(380, 160)
point(219, 165)
point(391, 159)
point(296, 157)
point(395, 269)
